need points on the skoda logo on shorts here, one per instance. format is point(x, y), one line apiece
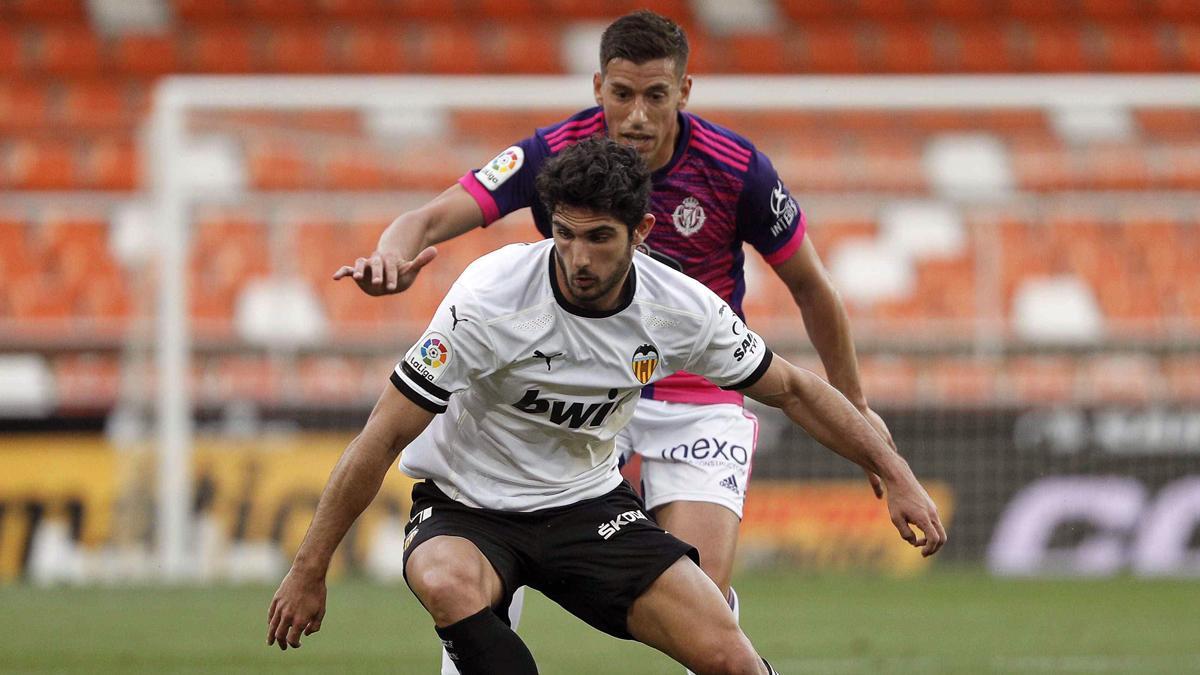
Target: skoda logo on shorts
point(645, 360)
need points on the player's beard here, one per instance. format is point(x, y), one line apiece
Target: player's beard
point(587, 297)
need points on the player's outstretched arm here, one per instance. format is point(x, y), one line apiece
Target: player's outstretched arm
point(407, 244)
point(299, 604)
point(828, 326)
point(833, 421)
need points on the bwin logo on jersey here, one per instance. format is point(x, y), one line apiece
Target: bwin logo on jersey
point(644, 361)
point(688, 217)
point(574, 414)
point(614, 526)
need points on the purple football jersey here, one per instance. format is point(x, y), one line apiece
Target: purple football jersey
point(716, 192)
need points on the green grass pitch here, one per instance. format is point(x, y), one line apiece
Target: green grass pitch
point(946, 622)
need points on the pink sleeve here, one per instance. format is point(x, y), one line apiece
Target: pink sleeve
point(783, 253)
point(491, 212)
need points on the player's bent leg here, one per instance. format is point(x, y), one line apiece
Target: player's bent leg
point(683, 615)
point(711, 528)
point(458, 587)
point(452, 579)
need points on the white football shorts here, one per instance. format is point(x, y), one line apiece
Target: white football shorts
point(691, 452)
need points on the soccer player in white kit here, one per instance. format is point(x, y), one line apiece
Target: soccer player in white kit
point(713, 193)
point(533, 364)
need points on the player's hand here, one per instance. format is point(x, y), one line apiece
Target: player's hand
point(880, 428)
point(385, 273)
point(297, 608)
point(909, 504)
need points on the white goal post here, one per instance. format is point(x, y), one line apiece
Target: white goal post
point(176, 97)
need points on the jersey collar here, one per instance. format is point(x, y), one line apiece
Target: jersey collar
point(572, 308)
point(681, 143)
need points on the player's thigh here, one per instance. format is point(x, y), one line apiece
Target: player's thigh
point(711, 528)
point(683, 615)
point(695, 453)
point(458, 560)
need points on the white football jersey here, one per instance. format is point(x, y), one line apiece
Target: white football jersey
point(534, 389)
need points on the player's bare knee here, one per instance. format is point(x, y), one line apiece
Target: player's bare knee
point(733, 657)
point(450, 590)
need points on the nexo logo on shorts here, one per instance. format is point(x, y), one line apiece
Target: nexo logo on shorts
point(434, 353)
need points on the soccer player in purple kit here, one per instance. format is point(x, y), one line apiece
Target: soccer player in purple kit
point(712, 191)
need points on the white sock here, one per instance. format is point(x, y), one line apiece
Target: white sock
point(514, 618)
point(734, 605)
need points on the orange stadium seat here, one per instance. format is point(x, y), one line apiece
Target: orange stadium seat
point(243, 377)
point(94, 105)
point(1036, 10)
point(41, 165)
point(833, 48)
point(24, 105)
point(332, 379)
point(278, 165)
point(503, 10)
point(909, 48)
point(1132, 48)
point(373, 49)
point(206, 10)
point(963, 382)
point(983, 48)
point(220, 49)
point(1179, 10)
point(1124, 378)
point(958, 10)
point(66, 49)
point(11, 54)
point(1187, 38)
point(1113, 9)
point(1168, 122)
point(886, 10)
point(1182, 377)
point(1041, 379)
point(280, 10)
point(891, 379)
point(520, 48)
point(804, 11)
point(355, 9)
point(1055, 48)
point(297, 49)
point(54, 10)
point(758, 53)
point(147, 55)
point(111, 163)
point(445, 48)
point(422, 9)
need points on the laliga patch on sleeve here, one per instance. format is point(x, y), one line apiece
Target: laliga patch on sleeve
point(501, 168)
point(430, 356)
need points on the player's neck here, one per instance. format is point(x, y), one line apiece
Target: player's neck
point(611, 302)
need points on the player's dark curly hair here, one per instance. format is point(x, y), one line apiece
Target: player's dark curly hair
point(644, 36)
point(600, 175)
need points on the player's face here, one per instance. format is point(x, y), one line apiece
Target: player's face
point(641, 105)
point(595, 251)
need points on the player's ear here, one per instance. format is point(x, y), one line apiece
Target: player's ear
point(685, 91)
point(642, 229)
point(597, 85)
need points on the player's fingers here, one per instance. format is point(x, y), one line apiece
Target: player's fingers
point(938, 536)
point(423, 258)
point(343, 272)
point(876, 484)
point(293, 635)
point(905, 531)
point(314, 625)
point(281, 631)
point(391, 273)
point(272, 624)
point(376, 263)
point(360, 268)
point(933, 540)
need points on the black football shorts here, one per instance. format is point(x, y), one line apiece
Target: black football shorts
point(594, 557)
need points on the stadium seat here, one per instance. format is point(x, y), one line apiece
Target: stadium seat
point(1041, 379)
point(832, 48)
point(759, 53)
point(219, 48)
point(41, 165)
point(66, 49)
point(24, 106)
point(111, 163)
point(1120, 378)
point(909, 48)
point(1179, 10)
point(445, 48)
point(1120, 10)
point(11, 53)
point(299, 49)
point(1182, 375)
point(804, 11)
point(195, 11)
point(1054, 48)
point(276, 11)
point(1187, 38)
point(890, 380)
point(520, 48)
point(983, 48)
point(963, 382)
point(355, 9)
point(96, 105)
point(44, 10)
point(373, 49)
point(87, 380)
point(1135, 48)
point(335, 379)
point(147, 55)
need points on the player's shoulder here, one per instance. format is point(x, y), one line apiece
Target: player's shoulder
point(575, 128)
point(672, 291)
point(500, 280)
point(719, 143)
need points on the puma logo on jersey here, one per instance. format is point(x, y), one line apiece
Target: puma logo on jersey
point(573, 414)
point(608, 529)
point(539, 355)
point(454, 315)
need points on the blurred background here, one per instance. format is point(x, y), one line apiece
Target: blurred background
point(1022, 274)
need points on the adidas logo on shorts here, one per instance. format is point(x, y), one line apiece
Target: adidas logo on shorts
point(731, 483)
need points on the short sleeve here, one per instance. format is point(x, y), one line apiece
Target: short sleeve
point(729, 355)
point(506, 183)
point(768, 217)
point(452, 353)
